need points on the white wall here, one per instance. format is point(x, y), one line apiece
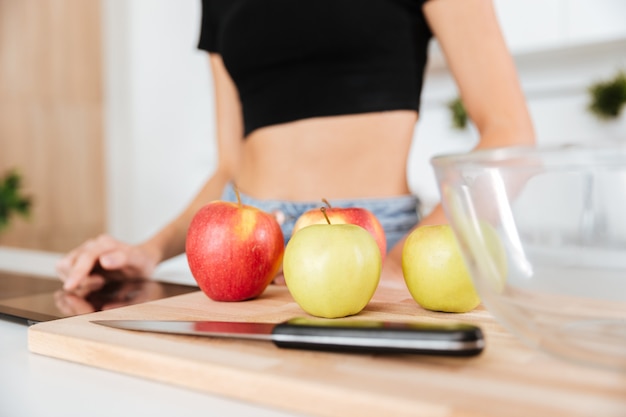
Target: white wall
point(560, 48)
point(159, 124)
point(160, 112)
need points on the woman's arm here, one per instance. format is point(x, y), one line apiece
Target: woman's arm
point(170, 241)
point(85, 268)
point(479, 60)
point(484, 71)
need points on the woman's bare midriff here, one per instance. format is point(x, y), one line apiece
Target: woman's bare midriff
point(352, 156)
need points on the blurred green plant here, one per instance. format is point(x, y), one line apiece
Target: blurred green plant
point(459, 114)
point(608, 97)
point(12, 201)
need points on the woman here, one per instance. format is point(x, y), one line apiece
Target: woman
point(320, 100)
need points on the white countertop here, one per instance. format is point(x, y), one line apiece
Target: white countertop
point(33, 385)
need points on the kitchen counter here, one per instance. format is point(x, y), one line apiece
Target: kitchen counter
point(33, 385)
point(106, 371)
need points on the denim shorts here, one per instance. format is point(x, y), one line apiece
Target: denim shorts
point(397, 215)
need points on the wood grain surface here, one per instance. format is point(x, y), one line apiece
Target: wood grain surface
point(51, 119)
point(507, 379)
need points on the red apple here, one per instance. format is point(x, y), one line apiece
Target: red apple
point(234, 250)
point(346, 215)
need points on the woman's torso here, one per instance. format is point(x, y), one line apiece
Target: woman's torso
point(351, 156)
point(329, 91)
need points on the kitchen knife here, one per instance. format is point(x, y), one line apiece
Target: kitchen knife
point(365, 336)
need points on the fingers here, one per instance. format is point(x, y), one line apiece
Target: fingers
point(89, 284)
point(113, 260)
point(64, 265)
point(78, 264)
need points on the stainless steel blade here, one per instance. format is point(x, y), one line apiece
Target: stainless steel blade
point(239, 330)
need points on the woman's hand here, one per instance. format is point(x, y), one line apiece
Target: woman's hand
point(88, 267)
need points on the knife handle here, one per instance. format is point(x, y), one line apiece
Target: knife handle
point(370, 336)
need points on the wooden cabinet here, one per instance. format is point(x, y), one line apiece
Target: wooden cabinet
point(51, 119)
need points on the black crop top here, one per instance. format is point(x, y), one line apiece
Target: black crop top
point(295, 59)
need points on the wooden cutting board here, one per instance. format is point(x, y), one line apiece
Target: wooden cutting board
point(507, 379)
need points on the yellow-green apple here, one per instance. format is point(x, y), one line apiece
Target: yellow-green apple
point(435, 272)
point(346, 215)
point(332, 270)
point(233, 250)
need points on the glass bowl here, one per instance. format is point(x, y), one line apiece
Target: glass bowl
point(543, 233)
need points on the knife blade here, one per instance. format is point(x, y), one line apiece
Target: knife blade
point(358, 336)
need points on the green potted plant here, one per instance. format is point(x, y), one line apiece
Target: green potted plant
point(458, 113)
point(608, 97)
point(12, 201)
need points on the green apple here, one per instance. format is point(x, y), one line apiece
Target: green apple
point(332, 270)
point(435, 272)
